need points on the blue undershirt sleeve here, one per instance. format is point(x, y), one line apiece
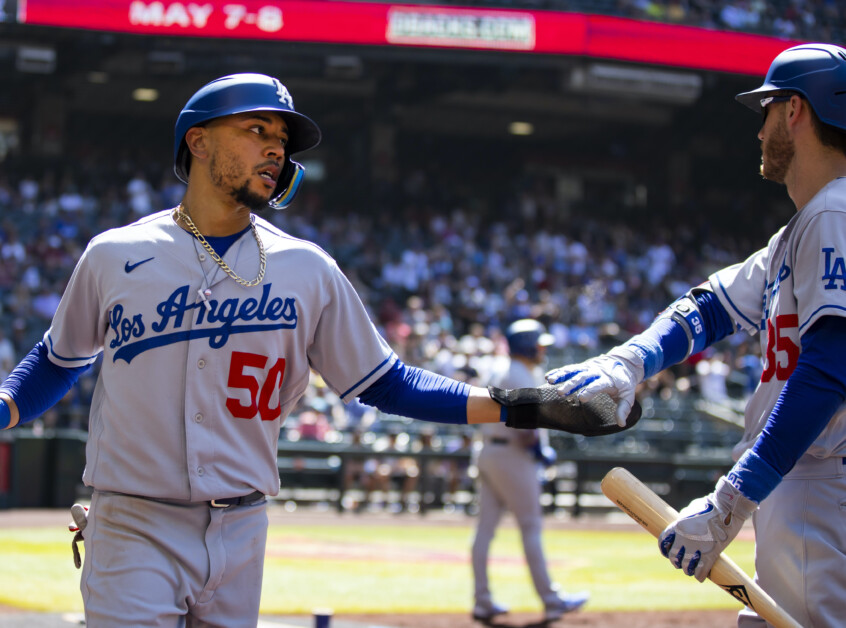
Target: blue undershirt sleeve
point(36, 384)
point(810, 397)
point(665, 342)
point(418, 394)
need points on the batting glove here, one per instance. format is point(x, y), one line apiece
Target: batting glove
point(545, 406)
point(80, 521)
point(704, 528)
point(616, 373)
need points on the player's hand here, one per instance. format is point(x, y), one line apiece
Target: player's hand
point(546, 406)
point(704, 528)
point(614, 375)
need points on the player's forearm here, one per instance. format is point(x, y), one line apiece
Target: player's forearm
point(481, 408)
point(691, 323)
point(9, 415)
point(36, 384)
point(419, 394)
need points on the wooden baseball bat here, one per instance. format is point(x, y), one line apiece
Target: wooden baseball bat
point(640, 503)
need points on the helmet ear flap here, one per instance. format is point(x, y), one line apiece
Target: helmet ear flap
point(288, 184)
point(182, 163)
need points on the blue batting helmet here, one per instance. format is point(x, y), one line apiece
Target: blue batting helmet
point(525, 336)
point(239, 93)
point(816, 71)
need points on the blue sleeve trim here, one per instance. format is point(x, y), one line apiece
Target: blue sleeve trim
point(87, 359)
point(36, 384)
point(820, 309)
point(736, 310)
point(811, 396)
point(358, 383)
point(418, 394)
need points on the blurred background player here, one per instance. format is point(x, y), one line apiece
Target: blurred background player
point(791, 462)
point(508, 465)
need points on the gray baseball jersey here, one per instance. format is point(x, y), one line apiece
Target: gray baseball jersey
point(781, 291)
point(199, 372)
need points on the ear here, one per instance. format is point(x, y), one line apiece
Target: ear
point(797, 110)
point(196, 139)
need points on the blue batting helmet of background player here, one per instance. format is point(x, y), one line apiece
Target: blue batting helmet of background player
point(816, 71)
point(239, 93)
point(526, 336)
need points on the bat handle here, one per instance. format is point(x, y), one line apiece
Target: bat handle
point(654, 514)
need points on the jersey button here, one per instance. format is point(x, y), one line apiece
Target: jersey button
point(202, 257)
point(201, 364)
point(200, 471)
point(198, 418)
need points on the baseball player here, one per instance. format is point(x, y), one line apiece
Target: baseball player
point(508, 480)
point(790, 470)
point(209, 319)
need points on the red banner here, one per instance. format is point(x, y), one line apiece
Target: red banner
point(366, 23)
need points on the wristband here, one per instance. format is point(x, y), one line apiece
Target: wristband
point(645, 347)
point(5, 415)
point(753, 476)
point(686, 313)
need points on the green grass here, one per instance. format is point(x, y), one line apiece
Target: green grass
point(354, 568)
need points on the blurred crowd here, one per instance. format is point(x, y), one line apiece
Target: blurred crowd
point(809, 20)
point(441, 284)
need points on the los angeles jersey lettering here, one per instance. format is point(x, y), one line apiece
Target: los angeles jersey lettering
point(780, 291)
point(214, 377)
point(177, 313)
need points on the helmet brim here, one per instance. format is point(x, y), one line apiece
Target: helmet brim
point(546, 340)
point(753, 99)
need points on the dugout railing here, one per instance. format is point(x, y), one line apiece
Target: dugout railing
point(313, 471)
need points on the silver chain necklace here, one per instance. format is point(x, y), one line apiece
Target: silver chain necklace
point(179, 214)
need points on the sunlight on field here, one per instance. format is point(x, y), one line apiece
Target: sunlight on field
point(398, 569)
point(353, 567)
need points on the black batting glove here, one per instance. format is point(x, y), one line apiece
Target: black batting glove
point(545, 406)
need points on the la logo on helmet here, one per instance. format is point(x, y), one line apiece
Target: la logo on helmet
point(284, 96)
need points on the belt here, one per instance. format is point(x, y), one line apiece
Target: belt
point(244, 500)
point(499, 441)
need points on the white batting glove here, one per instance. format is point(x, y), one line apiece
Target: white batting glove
point(704, 528)
point(80, 521)
point(616, 373)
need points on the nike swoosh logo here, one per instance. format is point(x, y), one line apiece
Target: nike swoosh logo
point(704, 511)
point(130, 267)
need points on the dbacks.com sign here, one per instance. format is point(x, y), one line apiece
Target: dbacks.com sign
point(444, 27)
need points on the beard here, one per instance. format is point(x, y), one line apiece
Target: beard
point(249, 199)
point(777, 154)
point(225, 174)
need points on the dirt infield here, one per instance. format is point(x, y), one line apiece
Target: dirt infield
point(651, 619)
point(663, 619)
